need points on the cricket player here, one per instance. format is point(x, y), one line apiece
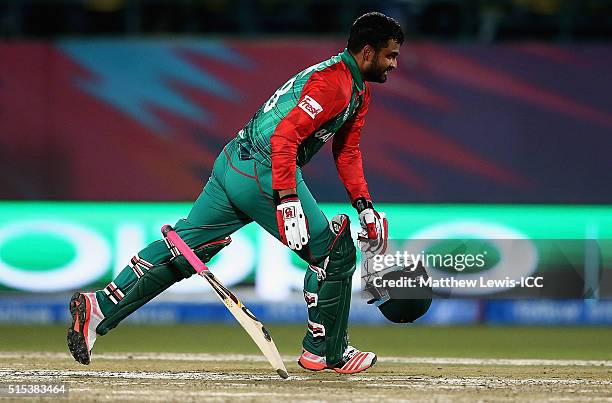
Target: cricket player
point(258, 177)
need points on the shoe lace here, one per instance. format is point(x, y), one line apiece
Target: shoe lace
point(349, 353)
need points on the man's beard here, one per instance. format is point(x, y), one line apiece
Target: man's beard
point(375, 73)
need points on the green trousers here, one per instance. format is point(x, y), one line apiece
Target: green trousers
point(238, 192)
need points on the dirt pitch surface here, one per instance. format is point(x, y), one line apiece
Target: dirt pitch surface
point(208, 377)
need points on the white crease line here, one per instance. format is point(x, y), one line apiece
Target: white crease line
point(382, 381)
point(476, 381)
point(258, 358)
point(495, 361)
point(201, 375)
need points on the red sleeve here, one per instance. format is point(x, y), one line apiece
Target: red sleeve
point(324, 96)
point(348, 155)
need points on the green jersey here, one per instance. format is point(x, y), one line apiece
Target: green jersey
point(303, 114)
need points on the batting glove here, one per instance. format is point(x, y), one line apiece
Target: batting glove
point(373, 236)
point(292, 222)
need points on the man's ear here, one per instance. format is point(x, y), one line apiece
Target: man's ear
point(368, 53)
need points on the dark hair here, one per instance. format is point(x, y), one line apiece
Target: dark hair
point(374, 29)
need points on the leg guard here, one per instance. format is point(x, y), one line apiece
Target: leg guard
point(149, 273)
point(327, 291)
point(314, 341)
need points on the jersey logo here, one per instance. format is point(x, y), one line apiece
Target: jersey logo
point(323, 135)
point(310, 106)
point(289, 212)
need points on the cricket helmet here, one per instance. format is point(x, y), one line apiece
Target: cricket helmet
point(403, 304)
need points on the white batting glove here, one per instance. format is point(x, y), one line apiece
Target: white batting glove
point(292, 222)
point(373, 236)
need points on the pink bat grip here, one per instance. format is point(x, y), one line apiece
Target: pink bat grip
point(185, 250)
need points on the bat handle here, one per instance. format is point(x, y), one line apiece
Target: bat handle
point(184, 250)
point(165, 229)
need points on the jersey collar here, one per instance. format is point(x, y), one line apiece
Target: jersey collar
point(349, 60)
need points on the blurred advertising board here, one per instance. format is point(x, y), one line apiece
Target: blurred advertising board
point(62, 246)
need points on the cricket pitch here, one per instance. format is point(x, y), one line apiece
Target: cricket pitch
point(220, 363)
point(210, 377)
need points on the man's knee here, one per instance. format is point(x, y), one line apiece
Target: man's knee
point(203, 250)
point(340, 261)
point(343, 254)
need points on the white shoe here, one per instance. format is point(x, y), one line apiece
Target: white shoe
point(86, 316)
point(353, 361)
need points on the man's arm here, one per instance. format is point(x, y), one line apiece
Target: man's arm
point(324, 96)
point(347, 154)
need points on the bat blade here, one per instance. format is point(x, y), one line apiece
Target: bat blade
point(254, 328)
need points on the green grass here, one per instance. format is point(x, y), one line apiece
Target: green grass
point(456, 341)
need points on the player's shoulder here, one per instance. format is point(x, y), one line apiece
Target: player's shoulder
point(337, 72)
point(334, 77)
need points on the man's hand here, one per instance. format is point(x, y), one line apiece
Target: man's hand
point(291, 220)
point(374, 226)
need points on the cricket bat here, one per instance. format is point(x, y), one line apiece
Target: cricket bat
point(247, 320)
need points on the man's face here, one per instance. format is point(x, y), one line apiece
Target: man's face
point(382, 62)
